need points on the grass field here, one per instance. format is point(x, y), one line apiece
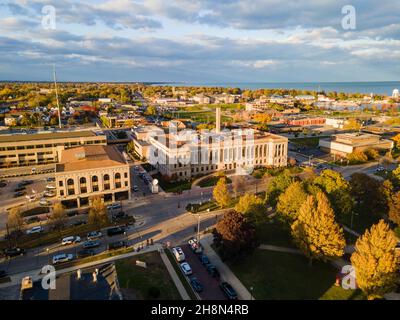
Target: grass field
point(276, 275)
point(138, 283)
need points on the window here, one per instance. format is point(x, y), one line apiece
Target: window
point(70, 182)
point(70, 189)
point(95, 179)
point(62, 193)
point(60, 183)
point(82, 183)
point(106, 179)
point(126, 175)
point(117, 176)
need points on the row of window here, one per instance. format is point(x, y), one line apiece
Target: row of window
point(52, 145)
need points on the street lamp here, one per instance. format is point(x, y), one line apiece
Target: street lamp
point(251, 293)
point(48, 258)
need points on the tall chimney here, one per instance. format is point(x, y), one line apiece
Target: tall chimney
point(218, 120)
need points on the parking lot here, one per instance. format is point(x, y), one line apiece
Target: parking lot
point(211, 289)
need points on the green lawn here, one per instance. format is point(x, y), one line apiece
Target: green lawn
point(361, 222)
point(274, 234)
point(276, 275)
point(176, 186)
point(138, 283)
point(212, 181)
point(307, 142)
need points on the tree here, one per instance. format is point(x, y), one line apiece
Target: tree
point(151, 111)
point(15, 220)
point(352, 124)
point(368, 194)
point(290, 201)
point(221, 193)
point(357, 156)
point(372, 154)
point(277, 185)
point(234, 236)
point(337, 189)
point(252, 207)
point(375, 261)
point(315, 230)
point(59, 216)
point(71, 121)
point(396, 140)
point(98, 212)
point(394, 208)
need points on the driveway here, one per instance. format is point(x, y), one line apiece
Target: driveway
point(211, 289)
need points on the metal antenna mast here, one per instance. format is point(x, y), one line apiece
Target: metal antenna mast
point(55, 87)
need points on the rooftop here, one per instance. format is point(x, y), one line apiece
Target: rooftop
point(45, 136)
point(89, 157)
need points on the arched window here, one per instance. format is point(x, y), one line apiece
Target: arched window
point(95, 186)
point(82, 183)
point(70, 187)
point(117, 180)
point(106, 179)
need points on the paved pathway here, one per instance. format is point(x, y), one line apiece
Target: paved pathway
point(226, 273)
point(174, 276)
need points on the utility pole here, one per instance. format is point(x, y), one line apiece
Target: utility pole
point(55, 87)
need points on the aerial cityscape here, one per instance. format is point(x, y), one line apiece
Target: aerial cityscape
point(186, 150)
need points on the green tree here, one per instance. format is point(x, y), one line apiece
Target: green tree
point(15, 221)
point(394, 208)
point(368, 194)
point(234, 236)
point(278, 185)
point(98, 212)
point(337, 189)
point(290, 202)
point(375, 261)
point(252, 207)
point(316, 232)
point(59, 216)
point(221, 193)
point(151, 111)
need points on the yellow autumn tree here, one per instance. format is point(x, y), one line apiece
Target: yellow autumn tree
point(290, 201)
point(375, 262)
point(315, 230)
point(221, 193)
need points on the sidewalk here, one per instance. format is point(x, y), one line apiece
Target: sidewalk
point(226, 273)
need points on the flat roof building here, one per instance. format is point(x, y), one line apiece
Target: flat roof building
point(92, 171)
point(346, 143)
point(42, 148)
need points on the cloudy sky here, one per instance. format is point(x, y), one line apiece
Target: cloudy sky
point(200, 40)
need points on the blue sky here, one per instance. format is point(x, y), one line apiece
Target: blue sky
point(200, 41)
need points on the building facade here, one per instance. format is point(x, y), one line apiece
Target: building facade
point(92, 171)
point(43, 148)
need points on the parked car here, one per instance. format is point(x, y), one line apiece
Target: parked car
point(49, 194)
point(3, 184)
point(117, 245)
point(91, 244)
point(135, 188)
point(51, 186)
point(79, 222)
point(229, 292)
point(204, 259)
point(379, 169)
point(33, 230)
point(213, 271)
point(43, 202)
point(50, 179)
point(70, 240)
point(19, 194)
point(20, 188)
point(114, 206)
point(115, 231)
point(195, 245)
point(32, 220)
point(31, 198)
point(119, 215)
point(94, 235)
point(25, 182)
point(196, 285)
point(178, 254)
point(85, 253)
point(14, 252)
point(186, 269)
point(63, 257)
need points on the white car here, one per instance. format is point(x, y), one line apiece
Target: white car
point(50, 186)
point(70, 240)
point(63, 257)
point(186, 269)
point(33, 230)
point(44, 202)
point(178, 254)
point(135, 188)
point(195, 245)
point(49, 194)
point(94, 235)
point(31, 198)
